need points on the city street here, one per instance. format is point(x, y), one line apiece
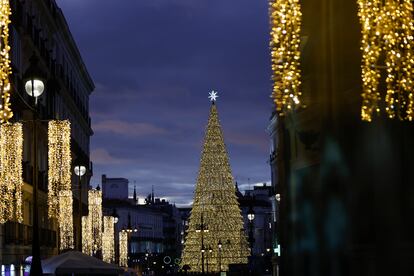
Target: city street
point(194, 137)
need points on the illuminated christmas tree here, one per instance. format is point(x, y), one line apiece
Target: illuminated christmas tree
point(215, 237)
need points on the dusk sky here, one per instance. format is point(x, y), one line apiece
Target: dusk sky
point(153, 63)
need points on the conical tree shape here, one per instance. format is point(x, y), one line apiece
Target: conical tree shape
point(215, 217)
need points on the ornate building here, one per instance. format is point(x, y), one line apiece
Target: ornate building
point(39, 27)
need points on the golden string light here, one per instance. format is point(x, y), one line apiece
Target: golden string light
point(95, 215)
point(5, 68)
point(87, 242)
point(66, 220)
point(387, 34)
point(108, 240)
point(286, 19)
point(216, 214)
point(11, 180)
point(123, 249)
point(92, 224)
point(59, 163)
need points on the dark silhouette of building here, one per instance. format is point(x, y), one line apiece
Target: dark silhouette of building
point(156, 231)
point(345, 186)
point(38, 27)
point(258, 200)
point(115, 188)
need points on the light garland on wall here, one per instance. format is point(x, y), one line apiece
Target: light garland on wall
point(95, 215)
point(66, 220)
point(387, 29)
point(87, 242)
point(286, 19)
point(123, 249)
point(5, 69)
point(92, 224)
point(59, 163)
point(11, 180)
point(108, 240)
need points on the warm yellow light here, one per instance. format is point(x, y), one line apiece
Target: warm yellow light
point(92, 224)
point(87, 242)
point(66, 220)
point(5, 69)
point(286, 19)
point(387, 33)
point(216, 214)
point(11, 181)
point(123, 249)
point(95, 214)
point(59, 163)
point(108, 240)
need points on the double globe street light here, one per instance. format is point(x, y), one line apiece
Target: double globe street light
point(129, 229)
point(34, 86)
point(34, 79)
point(250, 217)
point(220, 246)
point(202, 228)
point(80, 171)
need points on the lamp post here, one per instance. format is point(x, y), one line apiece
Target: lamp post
point(129, 229)
point(250, 217)
point(220, 246)
point(34, 86)
point(80, 171)
point(277, 250)
point(116, 219)
point(202, 228)
point(210, 250)
point(115, 215)
point(147, 261)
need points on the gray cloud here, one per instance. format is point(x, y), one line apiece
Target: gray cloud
point(154, 62)
point(127, 128)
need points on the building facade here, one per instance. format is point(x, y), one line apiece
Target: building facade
point(115, 188)
point(39, 28)
point(258, 201)
point(345, 186)
point(155, 231)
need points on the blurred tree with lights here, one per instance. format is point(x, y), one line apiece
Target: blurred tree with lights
point(215, 217)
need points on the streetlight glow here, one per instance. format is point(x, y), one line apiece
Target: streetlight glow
point(80, 170)
point(34, 87)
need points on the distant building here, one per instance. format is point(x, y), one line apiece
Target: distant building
point(115, 188)
point(185, 215)
point(158, 228)
point(259, 200)
point(171, 227)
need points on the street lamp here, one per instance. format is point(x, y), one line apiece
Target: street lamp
point(129, 229)
point(277, 196)
point(115, 215)
point(202, 228)
point(34, 79)
point(34, 86)
point(80, 171)
point(220, 246)
point(250, 217)
point(250, 214)
point(210, 250)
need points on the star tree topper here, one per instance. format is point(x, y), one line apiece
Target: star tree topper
point(213, 96)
